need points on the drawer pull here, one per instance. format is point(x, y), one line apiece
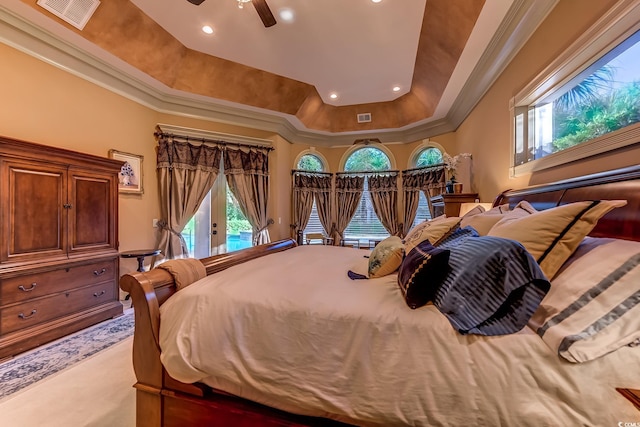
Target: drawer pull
point(99, 294)
point(27, 316)
point(99, 273)
point(23, 289)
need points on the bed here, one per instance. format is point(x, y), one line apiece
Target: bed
point(338, 369)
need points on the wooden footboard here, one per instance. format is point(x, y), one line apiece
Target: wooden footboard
point(164, 401)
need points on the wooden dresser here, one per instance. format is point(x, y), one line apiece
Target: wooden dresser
point(59, 234)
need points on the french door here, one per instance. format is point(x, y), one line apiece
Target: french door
point(218, 226)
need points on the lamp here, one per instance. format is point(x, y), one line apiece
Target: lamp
point(242, 2)
point(466, 207)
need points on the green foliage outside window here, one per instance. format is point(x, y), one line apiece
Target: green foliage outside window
point(367, 159)
point(428, 157)
point(236, 221)
point(309, 162)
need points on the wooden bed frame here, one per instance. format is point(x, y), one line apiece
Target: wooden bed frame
point(164, 401)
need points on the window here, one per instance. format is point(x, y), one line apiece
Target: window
point(312, 162)
point(596, 106)
point(365, 224)
point(426, 156)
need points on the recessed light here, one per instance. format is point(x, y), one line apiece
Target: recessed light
point(376, 1)
point(207, 29)
point(396, 88)
point(286, 14)
point(333, 96)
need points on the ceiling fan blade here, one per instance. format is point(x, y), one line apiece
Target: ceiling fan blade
point(265, 13)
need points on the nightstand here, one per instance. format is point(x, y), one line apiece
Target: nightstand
point(449, 203)
point(632, 395)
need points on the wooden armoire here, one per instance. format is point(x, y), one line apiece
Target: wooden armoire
point(59, 243)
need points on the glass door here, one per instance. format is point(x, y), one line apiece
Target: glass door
point(219, 225)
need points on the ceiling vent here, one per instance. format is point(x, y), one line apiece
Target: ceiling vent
point(75, 12)
point(364, 117)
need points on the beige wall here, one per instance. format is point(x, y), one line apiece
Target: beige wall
point(46, 105)
point(486, 132)
point(43, 104)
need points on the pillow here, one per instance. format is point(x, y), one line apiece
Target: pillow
point(494, 286)
point(483, 222)
point(386, 257)
point(552, 235)
point(457, 237)
point(185, 271)
point(433, 231)
point(421, 272)
point(593, 307)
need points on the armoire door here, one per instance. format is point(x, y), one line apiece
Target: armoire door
point(91, 213)
point(34, 221)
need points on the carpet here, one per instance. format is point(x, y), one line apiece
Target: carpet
point(35, 365)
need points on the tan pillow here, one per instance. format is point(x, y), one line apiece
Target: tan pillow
point(483, 222)
point(386, 257)
point(434, 231)
point(552, 235)
point(185, 271)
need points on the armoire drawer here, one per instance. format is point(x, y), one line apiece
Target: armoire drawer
point(35, 285)
point(33, 312)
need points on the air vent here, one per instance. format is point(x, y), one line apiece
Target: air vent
point(364, 118)
point(75, 12)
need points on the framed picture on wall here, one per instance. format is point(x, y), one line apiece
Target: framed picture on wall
point(130, 176)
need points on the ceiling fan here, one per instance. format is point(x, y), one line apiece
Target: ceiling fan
point(261, 7)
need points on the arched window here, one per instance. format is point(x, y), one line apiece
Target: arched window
point(429, 156)
point(310, 162)
point(365, 225)
point(313, 163)
point(426, 155)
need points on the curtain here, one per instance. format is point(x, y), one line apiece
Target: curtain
point(323, 203)
point(304, 186)
point(186, 173)
point(348, 193)
point(384, 197)
point(429, 180)
point(247, 173)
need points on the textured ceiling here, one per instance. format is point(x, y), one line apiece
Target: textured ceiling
point(356, 48)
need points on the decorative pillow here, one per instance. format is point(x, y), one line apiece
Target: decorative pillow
point(477, 210)
point(484, 221)
point(493, 288)
point(185, 271)
point(457, 237)
point(593, 307)
point(386, 257)
point(552, 235)
point(422, 272)
point(433, 231)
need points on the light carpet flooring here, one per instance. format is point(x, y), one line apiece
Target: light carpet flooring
point(96, 392)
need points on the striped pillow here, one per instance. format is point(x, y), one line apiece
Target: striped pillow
point(552, 235)
point(593, 307)
point(493, 288)
point(421, 273)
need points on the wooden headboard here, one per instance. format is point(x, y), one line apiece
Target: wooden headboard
point(619, 184)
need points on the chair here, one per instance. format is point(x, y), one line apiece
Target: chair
point(309, 237)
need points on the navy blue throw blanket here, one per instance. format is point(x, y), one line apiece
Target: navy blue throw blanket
point(493, 287)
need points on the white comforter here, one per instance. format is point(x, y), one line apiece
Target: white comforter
point(292, 331)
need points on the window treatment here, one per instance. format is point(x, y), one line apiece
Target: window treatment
point(429, 180)
point(186, 173)
point(384, 197)
point(307, 187)
point(348, 193)
point(247, 173)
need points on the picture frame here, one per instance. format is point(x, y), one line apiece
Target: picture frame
point(130, 178)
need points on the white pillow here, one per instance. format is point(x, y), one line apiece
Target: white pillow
point(593, 306)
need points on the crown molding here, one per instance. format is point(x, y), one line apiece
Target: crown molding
point(522, 19)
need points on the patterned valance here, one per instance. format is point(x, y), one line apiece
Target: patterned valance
point(174, 154)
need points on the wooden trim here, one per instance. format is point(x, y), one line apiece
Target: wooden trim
point(632, 395)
